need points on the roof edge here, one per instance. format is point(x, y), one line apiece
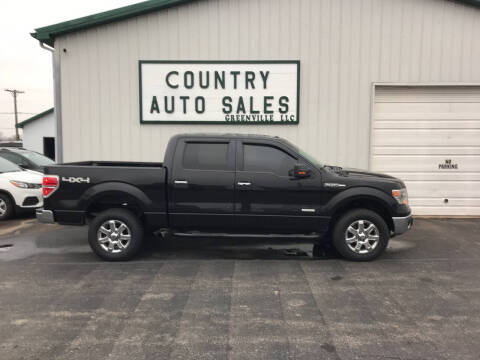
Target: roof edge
point(471, 2)
point(33, 118)
point(47, 34)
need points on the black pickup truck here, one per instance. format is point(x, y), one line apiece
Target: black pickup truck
point(227, 185)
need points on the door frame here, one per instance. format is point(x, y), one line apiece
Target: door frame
point(54, 146)
point(303, 219)
point(178, 164)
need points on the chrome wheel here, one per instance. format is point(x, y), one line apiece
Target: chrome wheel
point(114, 236)
point(362, 236)
point(3, 207)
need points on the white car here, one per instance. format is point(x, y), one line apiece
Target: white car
point(19, 189)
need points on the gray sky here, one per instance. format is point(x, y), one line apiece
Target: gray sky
point(26, 66)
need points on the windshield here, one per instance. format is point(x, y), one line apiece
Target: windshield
point(37, 159)
point(307, 156)
point(7, 166)
point(310, 158)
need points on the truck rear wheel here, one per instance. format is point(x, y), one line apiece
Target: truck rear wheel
point(115, 235)
point(360, 235)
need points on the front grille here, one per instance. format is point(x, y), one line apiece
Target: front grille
point(29, 201)
point(35, 186)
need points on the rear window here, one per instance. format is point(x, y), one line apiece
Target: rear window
point(206, 156)
point(38, 159)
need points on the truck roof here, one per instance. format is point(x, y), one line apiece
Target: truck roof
point(229, 135)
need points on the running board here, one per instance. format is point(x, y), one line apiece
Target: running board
point(228, 235)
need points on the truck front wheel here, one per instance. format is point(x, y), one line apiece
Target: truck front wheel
point(360, 235)
point(115, 235)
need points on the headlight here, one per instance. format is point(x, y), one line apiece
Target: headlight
point(24, 185)
point(401, 196)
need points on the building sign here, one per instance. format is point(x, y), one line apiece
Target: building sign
point(219, 92)
point(448, 165)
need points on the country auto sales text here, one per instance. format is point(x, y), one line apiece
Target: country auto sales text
point(236, 108)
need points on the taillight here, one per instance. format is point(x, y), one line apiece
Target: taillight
point(50, 184)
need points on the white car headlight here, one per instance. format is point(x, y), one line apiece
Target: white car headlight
point(401, 196)
point(24, 185)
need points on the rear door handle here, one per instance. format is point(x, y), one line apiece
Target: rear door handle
point(244, 183)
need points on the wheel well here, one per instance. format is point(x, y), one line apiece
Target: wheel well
point(12, 200)
point(369, 204)
point(111, 202)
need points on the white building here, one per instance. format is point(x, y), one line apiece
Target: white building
point(389, 85)
point(39, 133)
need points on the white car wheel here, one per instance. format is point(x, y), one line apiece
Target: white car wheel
point(6, 208)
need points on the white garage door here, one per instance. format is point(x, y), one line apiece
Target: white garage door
point(430, 138)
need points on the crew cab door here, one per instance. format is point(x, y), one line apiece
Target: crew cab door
point(201, 185)
point(268, 198)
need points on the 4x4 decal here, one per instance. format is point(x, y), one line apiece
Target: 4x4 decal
point(76, 180)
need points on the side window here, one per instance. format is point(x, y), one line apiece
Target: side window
point(262, 158)
point(206, 156)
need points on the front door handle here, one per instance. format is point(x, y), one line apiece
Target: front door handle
point(244, 183)
point(181, 184)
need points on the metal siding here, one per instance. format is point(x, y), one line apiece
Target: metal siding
point(343, 46)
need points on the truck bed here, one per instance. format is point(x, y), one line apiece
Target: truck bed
point(91, 186)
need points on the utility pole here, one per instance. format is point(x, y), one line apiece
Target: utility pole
point(14, 93)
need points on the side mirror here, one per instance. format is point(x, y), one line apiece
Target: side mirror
point(300, 171)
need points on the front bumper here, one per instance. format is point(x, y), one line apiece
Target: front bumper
point(28, 198)
point(45, 216)
point(402, 224)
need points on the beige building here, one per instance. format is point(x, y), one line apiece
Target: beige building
point(387, 85)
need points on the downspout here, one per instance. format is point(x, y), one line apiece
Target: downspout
point(57, 101)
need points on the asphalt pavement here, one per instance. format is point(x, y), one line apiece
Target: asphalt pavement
point(218, 299)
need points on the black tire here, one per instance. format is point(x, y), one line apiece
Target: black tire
point(7, 203)
point(119, 216)
point(368, 217)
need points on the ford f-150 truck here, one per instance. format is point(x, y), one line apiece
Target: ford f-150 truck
point(227, 185)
